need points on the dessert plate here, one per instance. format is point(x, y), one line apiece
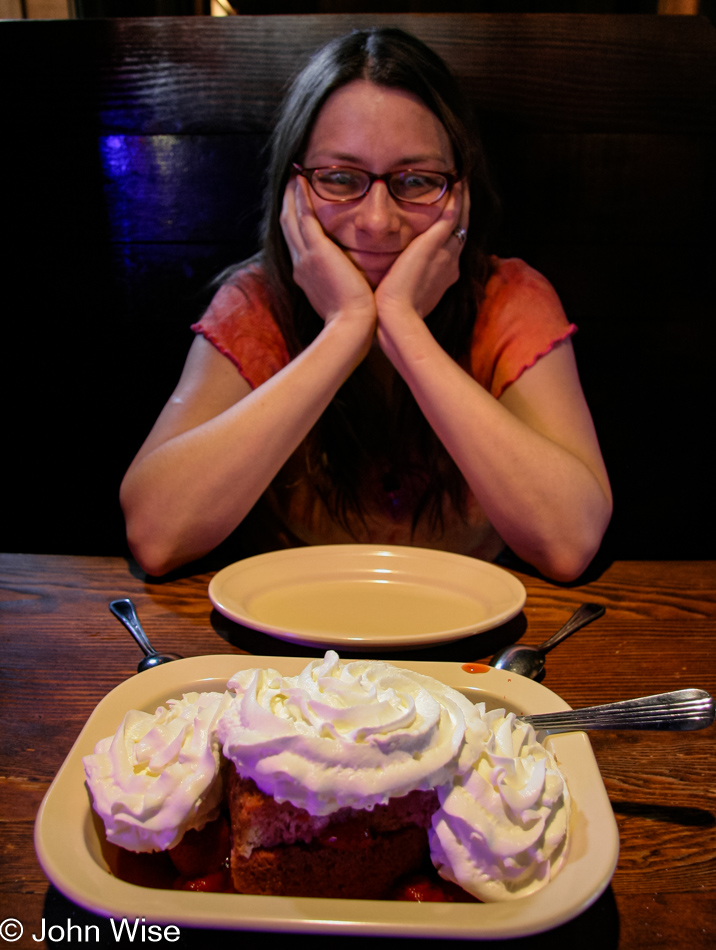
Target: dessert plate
point(365, 596)
point(75, 856)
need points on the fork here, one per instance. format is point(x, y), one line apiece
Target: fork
point(681, 710)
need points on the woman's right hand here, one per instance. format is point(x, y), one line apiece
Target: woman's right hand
point(332, 283)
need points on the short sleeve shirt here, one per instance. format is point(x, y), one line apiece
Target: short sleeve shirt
point(520, 320)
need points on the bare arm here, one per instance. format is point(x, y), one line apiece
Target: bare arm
point(217, 445)
point(531, 458)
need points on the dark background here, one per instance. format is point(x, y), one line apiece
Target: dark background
point(134, 8)
point(131, 163)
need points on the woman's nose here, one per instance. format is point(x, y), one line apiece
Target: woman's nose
point(377, 212)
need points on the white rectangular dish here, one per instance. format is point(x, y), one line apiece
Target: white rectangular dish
point(75, 857)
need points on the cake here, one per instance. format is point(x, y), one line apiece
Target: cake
point(159, 775)
point(502, 832)
point(335, 774)
point(339, 782)
point(282, 850)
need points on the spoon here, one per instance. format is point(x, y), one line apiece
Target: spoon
point(529, 661)
point(124, 610)
point(681, 710)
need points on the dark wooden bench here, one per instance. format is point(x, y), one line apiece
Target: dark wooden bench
point(132, 165)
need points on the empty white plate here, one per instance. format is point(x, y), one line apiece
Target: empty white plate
point(366, 596)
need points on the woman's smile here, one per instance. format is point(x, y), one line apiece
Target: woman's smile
point(372, 262)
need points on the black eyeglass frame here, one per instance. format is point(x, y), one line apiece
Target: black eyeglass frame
point(307, 173)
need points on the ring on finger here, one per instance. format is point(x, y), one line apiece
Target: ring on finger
point(460, 234)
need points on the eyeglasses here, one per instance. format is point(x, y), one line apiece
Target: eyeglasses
point(338, 183)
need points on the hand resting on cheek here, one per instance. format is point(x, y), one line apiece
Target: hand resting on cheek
point(334, 286)
point(427, 267)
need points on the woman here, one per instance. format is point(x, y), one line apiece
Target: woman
point(372, 375)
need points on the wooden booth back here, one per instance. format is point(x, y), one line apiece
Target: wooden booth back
point(132, 160)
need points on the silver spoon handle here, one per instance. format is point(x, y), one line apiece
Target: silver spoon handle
point(580, 618)
point(124, 610)
point(682, 710)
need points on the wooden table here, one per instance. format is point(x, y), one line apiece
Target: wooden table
point(62, 651)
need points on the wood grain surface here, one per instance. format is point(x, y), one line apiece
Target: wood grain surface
point(62, 651)
point(557, 71)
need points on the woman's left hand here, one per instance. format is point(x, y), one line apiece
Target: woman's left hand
point(418, 279)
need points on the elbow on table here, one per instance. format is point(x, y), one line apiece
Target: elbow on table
point(565, 560)
point(565, 567)
point(154, 557)
point(153, 563)
point(156, 550)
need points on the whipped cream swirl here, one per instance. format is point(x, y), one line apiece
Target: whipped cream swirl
point(502, 830)
point(347, 734)
point(159, 775)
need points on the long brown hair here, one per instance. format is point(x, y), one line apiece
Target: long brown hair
point(356, 432)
